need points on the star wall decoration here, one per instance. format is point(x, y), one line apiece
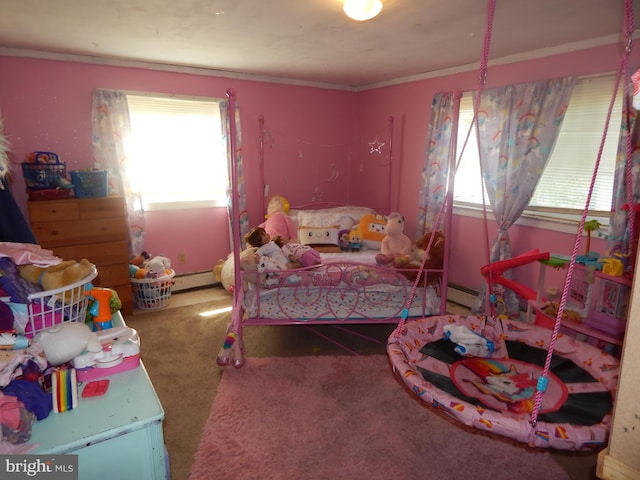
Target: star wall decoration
point(376, 146)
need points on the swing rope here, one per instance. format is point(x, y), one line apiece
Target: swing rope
point(624, 62)
point(482, 79)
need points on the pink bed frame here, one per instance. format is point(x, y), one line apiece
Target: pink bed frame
point(232, 352)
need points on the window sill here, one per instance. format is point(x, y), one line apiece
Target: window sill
point(558, 222)
point(163, 206)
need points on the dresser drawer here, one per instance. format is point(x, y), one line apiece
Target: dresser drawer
point(76, 209)
point(114, 274)
point(78, 232)
point(99, 254)
point(53, 211)
point(106, 207)
point(91, 228)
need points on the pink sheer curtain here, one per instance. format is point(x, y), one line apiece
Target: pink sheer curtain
point(111, 133)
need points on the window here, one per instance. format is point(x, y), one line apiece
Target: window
point(177, 155)
point(565, 182)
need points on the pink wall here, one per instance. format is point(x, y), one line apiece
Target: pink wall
point(46, 105)
point(411, 103)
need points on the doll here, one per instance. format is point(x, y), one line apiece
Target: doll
point(259, 238)
point(301, 255)
point(278, 222)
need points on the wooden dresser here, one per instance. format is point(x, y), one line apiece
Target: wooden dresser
point(91, 228)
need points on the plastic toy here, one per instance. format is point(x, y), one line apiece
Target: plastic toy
point(100, 309)
point(119, 352)
point(396, 247)
point(355, 241)
point(95, 388)
point(11, 340)
point(495, 270)
point(64, 390)
point(231, 352)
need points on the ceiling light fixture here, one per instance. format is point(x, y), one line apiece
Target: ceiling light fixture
point(362, 10)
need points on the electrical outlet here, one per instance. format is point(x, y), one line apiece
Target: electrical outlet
point(182, 258)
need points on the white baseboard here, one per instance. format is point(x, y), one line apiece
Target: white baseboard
point(190, 281)
point(461, 295)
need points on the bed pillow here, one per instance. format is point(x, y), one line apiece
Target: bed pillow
point(345, 216)
point(323, 239)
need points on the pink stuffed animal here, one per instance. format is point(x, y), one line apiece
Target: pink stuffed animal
point(396, 246)
point(278, 223)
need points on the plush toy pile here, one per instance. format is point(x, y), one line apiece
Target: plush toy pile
point(147, 266)
point(19, 281)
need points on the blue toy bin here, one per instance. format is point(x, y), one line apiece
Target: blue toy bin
point(90, 183)
point(43, 170)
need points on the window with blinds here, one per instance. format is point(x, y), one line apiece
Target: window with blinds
point(565, 182)
point(177, 154)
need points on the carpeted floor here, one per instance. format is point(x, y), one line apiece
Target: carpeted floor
point(342, 418)
point(179, 348)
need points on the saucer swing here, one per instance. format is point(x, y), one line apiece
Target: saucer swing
point(508, 377)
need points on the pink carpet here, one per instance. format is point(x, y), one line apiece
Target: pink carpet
point(344, 417)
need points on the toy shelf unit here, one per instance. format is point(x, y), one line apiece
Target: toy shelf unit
point(596, 308)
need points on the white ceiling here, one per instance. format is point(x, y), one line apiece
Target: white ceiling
point(306, 40)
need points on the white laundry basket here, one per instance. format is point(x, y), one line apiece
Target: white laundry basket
point(52, 307)
point(152, 293)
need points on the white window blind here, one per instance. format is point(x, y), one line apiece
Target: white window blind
point(177, 156)
point(565, 182)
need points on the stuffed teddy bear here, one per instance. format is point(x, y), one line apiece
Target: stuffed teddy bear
point(249, 260)
point(57, 276)
point(278, 223)
point(435, 257)
point(436, 252)
point(217, 271)
point(396, 247)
